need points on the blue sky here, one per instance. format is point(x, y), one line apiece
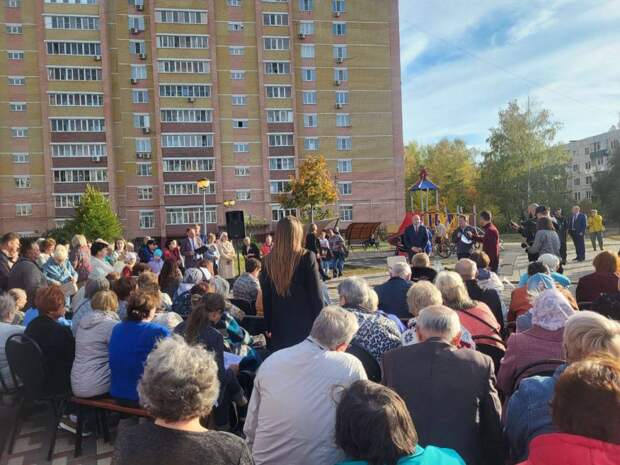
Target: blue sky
point(463, 60)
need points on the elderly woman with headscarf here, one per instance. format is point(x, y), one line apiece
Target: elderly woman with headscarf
point(543, 341)
point(58, 270)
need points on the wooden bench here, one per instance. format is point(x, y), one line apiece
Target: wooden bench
point(100, 407)
point(358, 234)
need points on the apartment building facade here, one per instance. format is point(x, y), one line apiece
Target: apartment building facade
point(589, 156)
point(142, 98)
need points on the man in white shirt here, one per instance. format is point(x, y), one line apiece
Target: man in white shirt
point(292, 412)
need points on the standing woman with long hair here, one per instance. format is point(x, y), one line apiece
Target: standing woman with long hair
point(291, 286)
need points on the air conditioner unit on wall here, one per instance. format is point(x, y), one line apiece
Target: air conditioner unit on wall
point(143, 56)
point(133, 80)
point(339, 60)
point(337, 82)
point(135, 30)
point(146, 130)
point(339, 106)
point(302, 36)
point(337, 14)
point(139, 7)
point(95, 158)
point(97, 57)
point(191, 99)
point(143, 155)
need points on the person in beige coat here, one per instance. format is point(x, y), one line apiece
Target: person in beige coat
point(227, 257)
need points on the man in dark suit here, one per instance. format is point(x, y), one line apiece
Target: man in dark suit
point(416, 237)
point(469, 270)
point(577, 225)
point(560, 227)
point(393, 293)
point(314, 245)
point(190, 249)
point(449, 392)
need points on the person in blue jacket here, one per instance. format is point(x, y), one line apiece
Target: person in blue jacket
point(577, 225)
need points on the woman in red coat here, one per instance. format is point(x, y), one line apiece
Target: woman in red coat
point(490, 240)
point(605, 279)
point(585, 409)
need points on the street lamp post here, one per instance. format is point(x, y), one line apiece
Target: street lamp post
point(203, 185)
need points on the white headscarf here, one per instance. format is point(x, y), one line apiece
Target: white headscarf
point(551, 310)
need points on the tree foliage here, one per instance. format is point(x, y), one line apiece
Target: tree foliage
point(606, 188)
point(524, 163)
point(451, 165)
point(311, 189)
point(94, 217)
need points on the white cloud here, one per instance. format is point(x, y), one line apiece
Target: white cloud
point(565, 55)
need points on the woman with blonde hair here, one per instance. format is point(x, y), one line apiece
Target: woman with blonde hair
point(227, 257)
point(291, 286)
point(80, 257)
point(58, 270)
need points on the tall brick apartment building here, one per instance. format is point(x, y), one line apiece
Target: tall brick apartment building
point(142, 98)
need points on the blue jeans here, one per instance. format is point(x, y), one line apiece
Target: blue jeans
point(338, 262)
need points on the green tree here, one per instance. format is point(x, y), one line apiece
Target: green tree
point(311, 189)
point(606, 188)
point(95, 218)
point(523, 164)
point(451, 165)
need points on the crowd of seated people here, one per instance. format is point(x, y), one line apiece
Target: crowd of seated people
point(171, 339)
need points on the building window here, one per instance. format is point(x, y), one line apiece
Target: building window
point(17, 106)
point(277, 212)
point(243, 195)
point(79, 150)
point(235, 26)
point(345, 212)
point(345, 166)
point(343, 143)
point(234, 3)
point(276, 43)
point(236, 50)
point(577, 195)
point(137, 47)
point(83, 23)
point(242, 170)
point(73, 48)
point(140, 96)
point(15, 55)
point(67, 200)
point(135, 23)
point(77, 124)
point(80, 175)
point(16, 80)
point(311, 143)
point(281, 163)
point(588, 165)
point(307, 50)
point(309, 97)
point(275, 19)
point(182, 41)
point(341, 74)
point(182, 115)
point(21, 158)
point(22, 182)
point(575, 167)
point(144, 169)
point(240, 123)
point(19, 133)
point(343, 120)
point(241, 147)
point(281, 140)
point(308, 74)
point(181, 16)
point(145, 192)
point(186, 188)
point(306, 28)
point(239, 100)
point(146, 219)
point(278, 91)
point(141, 120)
point(138, 72)
point(344, 188)
point(280, 116)
point(76, 99)
point(577, 181)
point(190, 215)
point(143, 145)
point(279, 187)
point(338, 6)
point(188, 165)
point(588, 180)
point(23, 209)
point(65, 73)
point(306, 5)
point(340, 52)
point(339, 29)
point(311, 120)
point(12, 3)
point(277, 67)
point(237, 75)
point(184, 139)
point(185, 90)
point(14, 28)
point(588, 195)
point(184, 66)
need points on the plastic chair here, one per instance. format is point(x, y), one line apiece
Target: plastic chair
point(25, 360)
point(373, 370)
point(492, 351)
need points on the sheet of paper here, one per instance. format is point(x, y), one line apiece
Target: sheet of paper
point(231, 359)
